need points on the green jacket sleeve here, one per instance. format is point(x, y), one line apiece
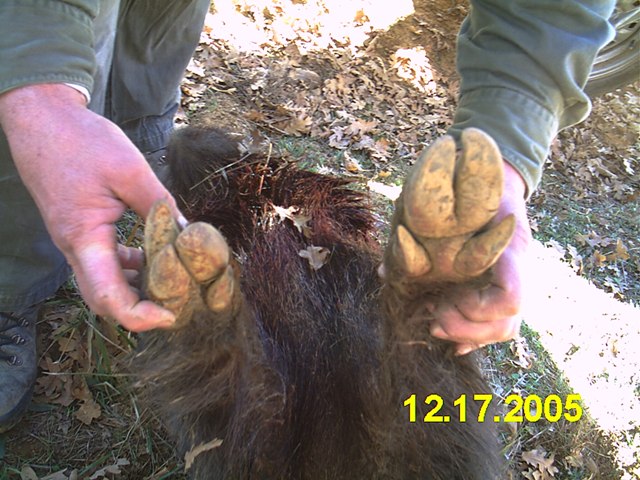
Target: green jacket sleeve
point(47, 41)
point(524, 64)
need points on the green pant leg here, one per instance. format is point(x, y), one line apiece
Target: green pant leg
point(154, 44)
point(141, 96)
point(31, 267)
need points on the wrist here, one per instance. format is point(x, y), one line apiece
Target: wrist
point(514, 184)
point(22, 106)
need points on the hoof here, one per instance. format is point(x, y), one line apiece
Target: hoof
point(442, 229)
point(186, 270)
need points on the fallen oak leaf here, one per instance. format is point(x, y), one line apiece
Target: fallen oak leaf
point(297, 126)
point(300, 220)
point(360, 127)
point(62, 475)
point(27, 473)
point(524, 358)
point(283, 213)
point(598, 258)
point(392, 192)
point(317, 256)
point(538, 459)
point(88, 411)
point(621, 252)
point(111, 469)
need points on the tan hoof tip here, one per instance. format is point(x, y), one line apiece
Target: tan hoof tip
point(168, 282)
point(408, 255)
point(428, 195)
point(220, 293)
point(446, 196)
point(203, 251)
point(479, 180)
point(160, 229)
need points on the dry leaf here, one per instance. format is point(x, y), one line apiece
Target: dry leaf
point(317, 256)
point(359, 127)
point(195, 68)
point(255, 116)
point(524, 358)
point(538, 458)
point(55, 384)
point(283, 213)
point(300, 221)
point(61, 475)
point(392, 192)
point(297, 126)
point(111, 469)
point(351, 164)
point(360, 18)
point(27, 473)
point(191, 455)
point(621, 253)
point(598, 258)
point(88, 411)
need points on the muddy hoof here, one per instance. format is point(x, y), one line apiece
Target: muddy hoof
point(186, 270)
point(441, 229)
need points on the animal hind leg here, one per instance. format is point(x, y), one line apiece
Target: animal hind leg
point(443, 233)
point(189, 375)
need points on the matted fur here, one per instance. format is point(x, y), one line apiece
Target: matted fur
point(306, 377)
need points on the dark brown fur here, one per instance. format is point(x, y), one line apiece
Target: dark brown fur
point(306, 378)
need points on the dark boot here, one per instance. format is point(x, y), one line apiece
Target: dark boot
point(17, 363)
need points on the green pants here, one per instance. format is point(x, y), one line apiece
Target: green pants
point(142, 48)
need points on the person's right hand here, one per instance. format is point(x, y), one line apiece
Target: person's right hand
point(83, 172)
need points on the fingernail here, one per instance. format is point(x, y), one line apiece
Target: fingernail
point(182, 222)
point(463, 350)
point(438, 332)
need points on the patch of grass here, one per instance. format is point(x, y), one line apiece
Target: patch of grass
point(599, 240)
point(580, 448)
point(308, 153)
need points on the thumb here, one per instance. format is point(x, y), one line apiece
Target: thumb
point(104, 286)
point(142, 189)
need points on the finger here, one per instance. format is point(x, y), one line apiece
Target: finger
point(502, 298)
point(466, 348)
point(451, 325)
point(142, 199)
point(104, 286)
point(130, 258)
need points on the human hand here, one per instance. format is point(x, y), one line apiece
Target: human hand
point(460, 214)
point(83, 172)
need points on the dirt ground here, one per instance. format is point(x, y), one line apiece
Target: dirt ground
point(348, 90)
